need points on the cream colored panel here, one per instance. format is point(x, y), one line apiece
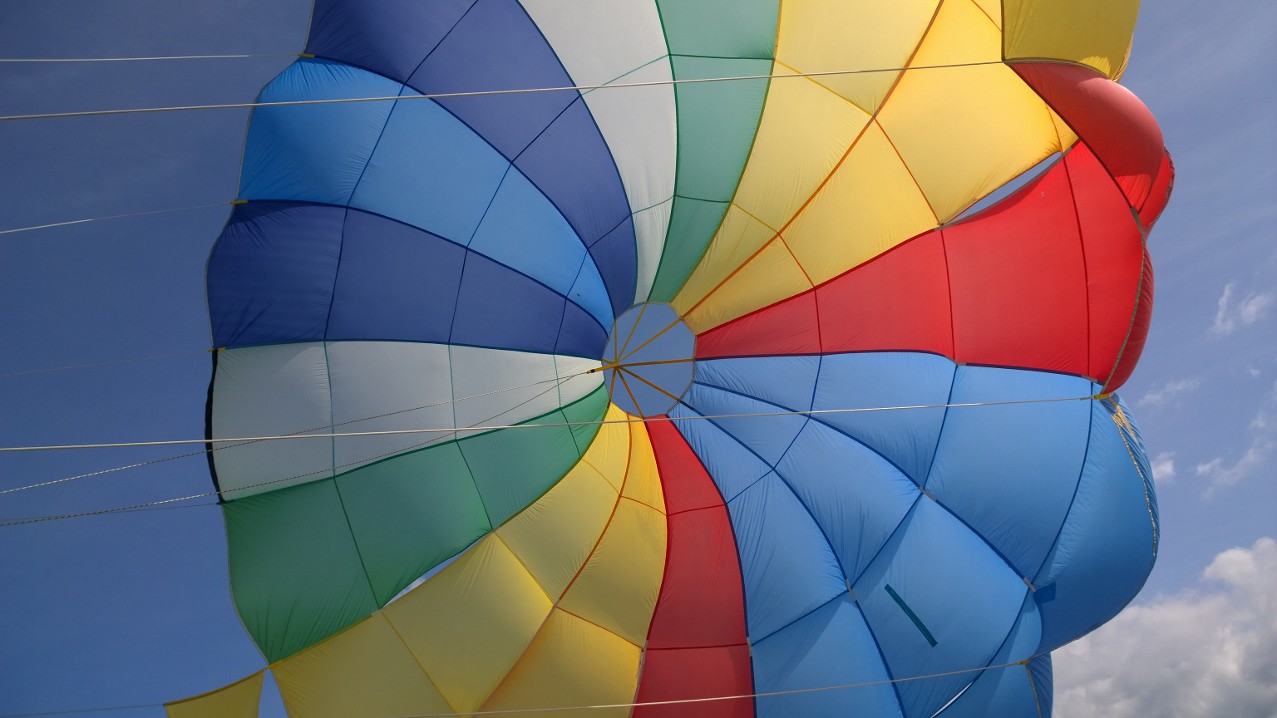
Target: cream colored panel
point(618, 587)
point(739, 237)
point(869, 206)
point(468, 625)
point(1092, 32)
point(237, 700)
point(363, 671)
point(804, 132)
point(769, 277)
point(554, 536)
point(840, 35)
point(494, 387)
point(643, 482)
point(650, 226)
point(571, 663)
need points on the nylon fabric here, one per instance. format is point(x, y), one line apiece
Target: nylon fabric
point(237, 700)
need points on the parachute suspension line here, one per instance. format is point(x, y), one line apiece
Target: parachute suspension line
point(85, 220)
point(139, 59)
point(483, 93)
point(107, 362)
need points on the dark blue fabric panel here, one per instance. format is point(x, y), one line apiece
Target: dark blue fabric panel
point(616, 257)
point(996, 467)
point(958, 594)
point(907, 437)
point(314, 153)
point(831, 646)
point(787, 567)
point(1106, 546)
point(389, 37)
point(857, 497)
point(1043, 682)
point(271, 273)
point(500, 309)
point(395, 282)
point(1004, 691)
point(733, 467)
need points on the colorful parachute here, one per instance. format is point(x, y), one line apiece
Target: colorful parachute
point(686, 349)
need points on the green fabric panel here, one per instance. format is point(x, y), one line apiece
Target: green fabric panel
point(589, 408)
point(411, 512)
point(720, 28)
point(717, 122)
point(296, 575)
point(514, 467)
point(694, 222)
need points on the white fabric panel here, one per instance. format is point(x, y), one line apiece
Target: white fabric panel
point(387, 386)
point(650, 228)
point(477, 374)
point(622, 41)
point(371, 386)
point(271, 391)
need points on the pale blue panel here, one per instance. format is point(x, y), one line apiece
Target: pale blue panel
point(431, 171)
point(964, 598)
point(767, 436)
point(857, 497)
point(1009, 471)
point(906, 437)
point(831, 646)
point(732, 466)
point(786, 381)
point(1106, 547)
point(314, 153)
point(786, 564)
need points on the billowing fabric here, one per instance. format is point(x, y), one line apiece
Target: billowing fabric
point(663, 350)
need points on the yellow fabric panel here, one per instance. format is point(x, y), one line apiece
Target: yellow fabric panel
point(993, 10)
point(964, 131)
point(739, 237)
point(1092, 32)
point(643, 483)
point(571, 663)
point(609, 454)
point(554, 536)
point(365, 670)
point(838, 35)
point(469, 623)
point(1062, 130)
point(618, 586)
point(870, 205)
point(805, 129)
point(237, 700)
point(770, 276)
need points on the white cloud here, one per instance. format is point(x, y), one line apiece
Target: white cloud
point(1168, 391)
point(1229, 316)
point(1204, 653)
point(1163, 466)
point(1263, 441)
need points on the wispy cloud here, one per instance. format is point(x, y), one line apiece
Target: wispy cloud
point(1208, 652)
point(1230, 315)
point(1163, 394)
point(1163, 466)
point(1263, 443)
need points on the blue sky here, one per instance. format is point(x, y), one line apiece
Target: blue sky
point(133, 608)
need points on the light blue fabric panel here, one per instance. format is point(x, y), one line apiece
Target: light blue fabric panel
point(831, 646)
point(952, 590)
point(1106, 547)
point(314, 153)
point(786, 381)
point(523, 230)
point(1000, 471)
point(432, 172)
point(906, 437)
point(767, 436)
point(732, 467)
point(786, 564)
point(857, 497)
point(1004, 691)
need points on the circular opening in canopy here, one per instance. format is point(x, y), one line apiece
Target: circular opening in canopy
point(647, 363)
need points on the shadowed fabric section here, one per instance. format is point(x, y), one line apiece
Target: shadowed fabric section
point(696, 647)
point(1051, 278)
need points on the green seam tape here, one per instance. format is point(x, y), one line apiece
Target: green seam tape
point(912, 616)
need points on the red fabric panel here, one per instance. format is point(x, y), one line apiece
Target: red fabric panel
point(1107, 117)
point(793, 329)
point(1139, 330)
point(672, 674)
point(696, 645)
point(1160, 194)
point(1018, 281)
point(1114, 250)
